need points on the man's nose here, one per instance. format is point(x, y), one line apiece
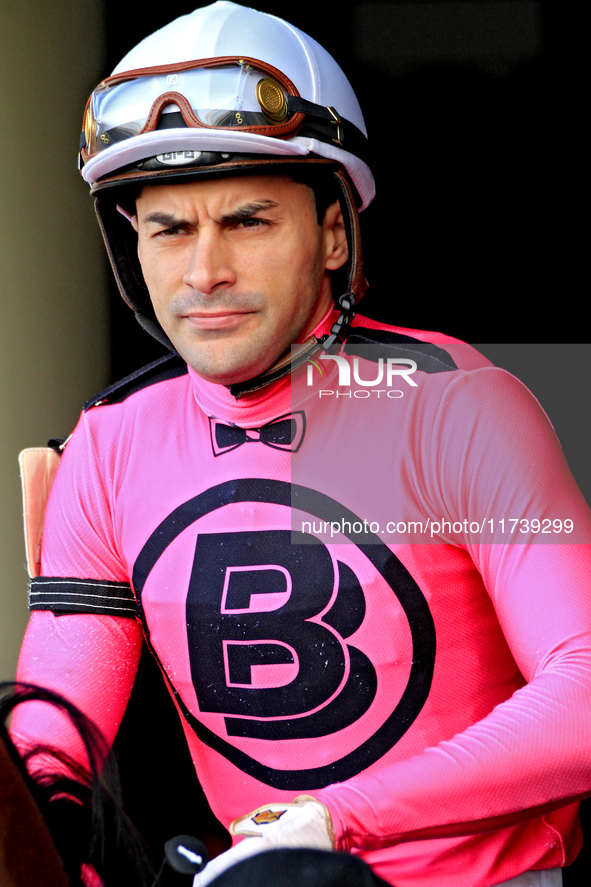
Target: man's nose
point(209, 265)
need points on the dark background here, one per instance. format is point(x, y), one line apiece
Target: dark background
point(470, 107)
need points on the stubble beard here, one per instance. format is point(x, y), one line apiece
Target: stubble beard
point(218, 355)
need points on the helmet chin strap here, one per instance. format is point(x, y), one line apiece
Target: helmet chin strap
point(356, 287)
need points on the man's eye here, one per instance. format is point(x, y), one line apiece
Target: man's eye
point(251, 223)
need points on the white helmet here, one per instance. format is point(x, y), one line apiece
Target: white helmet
point(120, 107)
point(224, 90)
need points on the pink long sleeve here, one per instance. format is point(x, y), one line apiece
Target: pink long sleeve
point(90, 659)
point(532, 752)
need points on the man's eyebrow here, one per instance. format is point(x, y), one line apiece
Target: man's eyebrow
point(247, 210)
point(168, 220)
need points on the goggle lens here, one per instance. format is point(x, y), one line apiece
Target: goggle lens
point(231, 95)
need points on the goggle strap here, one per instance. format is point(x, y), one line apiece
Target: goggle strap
point(329, 125)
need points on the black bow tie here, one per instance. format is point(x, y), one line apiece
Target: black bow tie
point(284, 433)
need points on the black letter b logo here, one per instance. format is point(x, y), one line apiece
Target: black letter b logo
point(249, 600)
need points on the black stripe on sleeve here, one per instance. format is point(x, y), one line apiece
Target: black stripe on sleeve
point(65, 595)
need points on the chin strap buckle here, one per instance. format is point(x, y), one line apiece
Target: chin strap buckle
point(339, 328)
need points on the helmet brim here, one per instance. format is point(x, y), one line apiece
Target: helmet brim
point(100, 173)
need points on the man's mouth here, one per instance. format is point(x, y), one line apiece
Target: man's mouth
point(202, 320)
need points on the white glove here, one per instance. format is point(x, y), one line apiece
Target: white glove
point(305, 823)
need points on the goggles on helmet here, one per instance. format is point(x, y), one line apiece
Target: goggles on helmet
point(222, 93)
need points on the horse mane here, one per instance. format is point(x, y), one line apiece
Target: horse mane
point(82, 808)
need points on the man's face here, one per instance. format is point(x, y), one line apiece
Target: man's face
point(237, 269)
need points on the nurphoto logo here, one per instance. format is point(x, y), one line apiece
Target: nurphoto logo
point(388, 371)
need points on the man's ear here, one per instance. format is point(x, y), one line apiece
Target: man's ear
point(128, 216)
point(335, 237)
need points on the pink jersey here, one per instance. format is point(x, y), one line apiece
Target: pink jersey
point(429, 686)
